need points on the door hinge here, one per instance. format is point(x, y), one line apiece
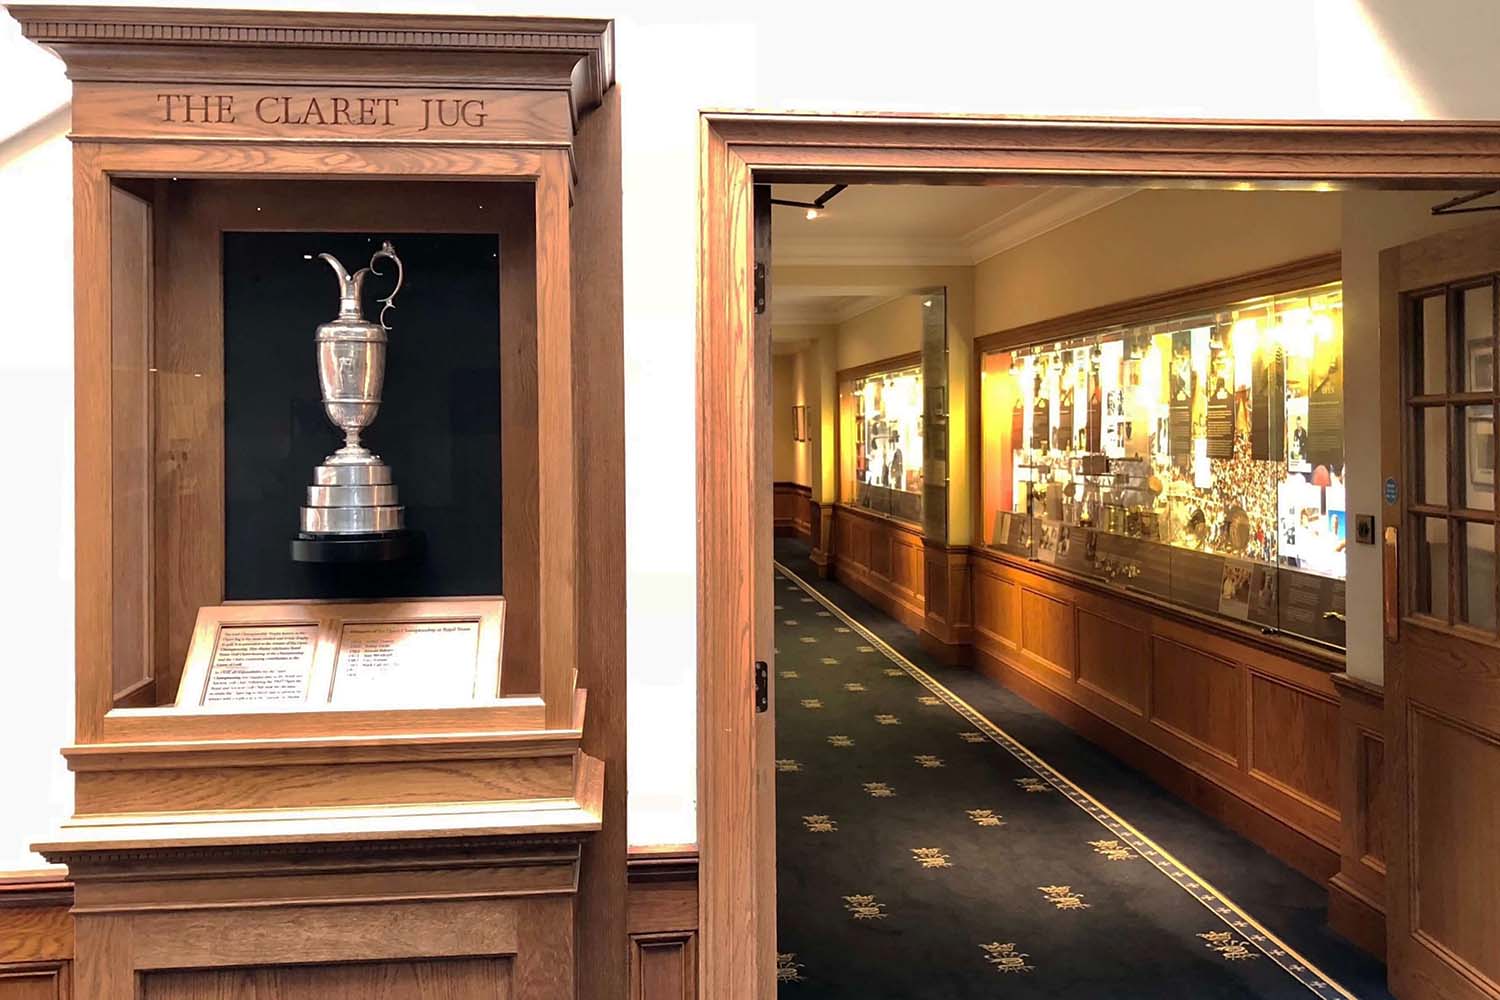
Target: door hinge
point(762, 686)
point(760, 288)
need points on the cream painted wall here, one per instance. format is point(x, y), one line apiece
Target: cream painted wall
point(1154, 241)
point(784, 393)
point(1332, 59)
point(806, 395)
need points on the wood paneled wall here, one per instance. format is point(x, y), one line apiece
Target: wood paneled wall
point(663, 924)
point(1356, 894)
point(36, 938)
point(792, 510)
point(1245, 728)
point(882, 560)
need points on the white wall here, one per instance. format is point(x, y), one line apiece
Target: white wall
point(36, 485)
point(1276, 58)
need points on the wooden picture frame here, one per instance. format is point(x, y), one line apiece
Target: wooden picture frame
point(799, 422)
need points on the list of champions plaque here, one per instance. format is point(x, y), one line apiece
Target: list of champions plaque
point(435, 653)
point(381, 663)
point(261, 663)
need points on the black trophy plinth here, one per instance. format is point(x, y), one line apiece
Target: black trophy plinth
point(375, 547)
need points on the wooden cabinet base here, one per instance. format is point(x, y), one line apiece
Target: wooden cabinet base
point(474, 916)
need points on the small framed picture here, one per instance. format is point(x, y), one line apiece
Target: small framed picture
point(799, 423)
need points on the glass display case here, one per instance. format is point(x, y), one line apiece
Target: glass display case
point(881, 436)
point(1198, 459)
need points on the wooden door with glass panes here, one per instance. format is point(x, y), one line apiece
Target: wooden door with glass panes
point(1439, 323)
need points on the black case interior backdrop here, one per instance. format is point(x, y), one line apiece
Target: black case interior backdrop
point(438, 426)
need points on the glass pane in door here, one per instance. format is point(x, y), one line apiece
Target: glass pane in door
point(1477, 425)
point(1479, 575)
point(1430, 453)
point(1430, 354)
point(1478, 360)
point(1430, 596)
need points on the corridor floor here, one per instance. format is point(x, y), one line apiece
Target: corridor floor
point(937, 837)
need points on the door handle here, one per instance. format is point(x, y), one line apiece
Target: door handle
point(1391, 579)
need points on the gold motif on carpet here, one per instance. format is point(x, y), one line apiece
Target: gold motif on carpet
point(812, 703)
point(820, 824)
point(879, 790)
point(1225, 944)
point(808, 638)
point(888, 720)
point(1005, 958)
point(788, 969)
point(854, 686)
point(1063, 897)
point(928, 699)
point(787, 765)
point(830, 661)
point(894, 672)
point(790, 675)
point(928, 760)
point(865, 649)
point(840, 741)
point(1112, 849)
point(973, 737)
point(985, 817)
point(930, 857)
point(864, 908)
point(1033, 785)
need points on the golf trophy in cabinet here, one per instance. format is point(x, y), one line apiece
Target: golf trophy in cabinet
point(330, 737)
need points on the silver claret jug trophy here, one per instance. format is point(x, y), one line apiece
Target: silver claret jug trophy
point(352, 512)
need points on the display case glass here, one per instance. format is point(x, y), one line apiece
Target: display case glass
point(880, 442)
point(1197, 458)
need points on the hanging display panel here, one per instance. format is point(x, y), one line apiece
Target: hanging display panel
point(1195, 458)
point(882, 431)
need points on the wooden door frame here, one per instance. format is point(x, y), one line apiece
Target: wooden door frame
point(738, 150)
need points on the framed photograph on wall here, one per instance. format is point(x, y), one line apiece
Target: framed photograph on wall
point(799, 423)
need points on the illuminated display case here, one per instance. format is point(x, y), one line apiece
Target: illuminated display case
point(1198, 459)
point(880, 442)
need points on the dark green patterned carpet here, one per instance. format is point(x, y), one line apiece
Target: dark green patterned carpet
point(924, 852)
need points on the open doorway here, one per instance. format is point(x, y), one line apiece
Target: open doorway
point(1258, 688)
point(1148, 386)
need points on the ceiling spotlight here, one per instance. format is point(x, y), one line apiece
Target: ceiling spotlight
point(812, 213)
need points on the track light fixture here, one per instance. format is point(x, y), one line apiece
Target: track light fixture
point(815, 207)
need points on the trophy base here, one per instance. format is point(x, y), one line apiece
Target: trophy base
point(374, 547)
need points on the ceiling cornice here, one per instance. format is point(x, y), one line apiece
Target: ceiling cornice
point(1048, 210)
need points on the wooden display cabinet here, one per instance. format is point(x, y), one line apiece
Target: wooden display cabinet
point(311, 852)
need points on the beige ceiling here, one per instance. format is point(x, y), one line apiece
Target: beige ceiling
point(894, 211)
point(895, 225)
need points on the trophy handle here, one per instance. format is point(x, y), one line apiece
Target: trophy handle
point(386, 250)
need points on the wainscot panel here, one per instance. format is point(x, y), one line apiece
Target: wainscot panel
point(36, 937)
point(790, 503)
point(1242, 725)
point(663, 923)
point(882, 560)
point(1356, 894)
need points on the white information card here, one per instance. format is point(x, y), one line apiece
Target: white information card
point(440, 653)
